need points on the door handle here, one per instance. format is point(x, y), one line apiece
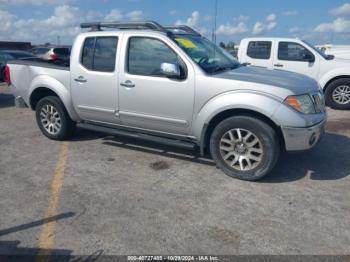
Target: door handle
point(128, 84)
point(278, 65)
point(80, 79)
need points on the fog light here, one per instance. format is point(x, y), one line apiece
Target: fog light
point(312, 139)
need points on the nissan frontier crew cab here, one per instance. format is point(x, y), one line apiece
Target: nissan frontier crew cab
point(171, 85)
point(294, 55)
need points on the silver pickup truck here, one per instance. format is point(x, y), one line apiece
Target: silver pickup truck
point(170, 85)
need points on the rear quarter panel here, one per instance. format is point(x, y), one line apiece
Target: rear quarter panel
point(27, 78)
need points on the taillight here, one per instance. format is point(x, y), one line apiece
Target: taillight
point(53, 57)
point(7, 75)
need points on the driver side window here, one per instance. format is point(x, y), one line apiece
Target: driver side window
point(145, 56)
point(293, 52)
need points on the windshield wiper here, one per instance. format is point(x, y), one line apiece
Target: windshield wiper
point(223, 68)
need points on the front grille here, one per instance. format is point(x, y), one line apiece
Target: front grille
point(319, 102)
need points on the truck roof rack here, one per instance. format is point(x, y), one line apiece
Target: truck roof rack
point(183, 28)
point(151, 25)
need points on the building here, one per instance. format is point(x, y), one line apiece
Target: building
point(7, 45)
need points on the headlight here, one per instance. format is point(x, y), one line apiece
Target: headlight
point(302, 104)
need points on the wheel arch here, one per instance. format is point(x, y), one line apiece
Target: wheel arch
point(38, 94)
point(334, 79)
point(44, 85)
point(210, 126)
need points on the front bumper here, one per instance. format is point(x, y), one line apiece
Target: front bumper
point(299, 139)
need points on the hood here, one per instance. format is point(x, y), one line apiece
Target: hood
point(296, 83)
point(341, 62)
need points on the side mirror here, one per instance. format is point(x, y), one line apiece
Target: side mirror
point(330, 57)
point(170, 70)
point(308, 57)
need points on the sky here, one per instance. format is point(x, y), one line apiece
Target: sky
point(41, 21)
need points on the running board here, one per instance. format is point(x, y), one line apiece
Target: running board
point(139, 136)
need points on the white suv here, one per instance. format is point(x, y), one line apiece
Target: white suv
point(333, 74)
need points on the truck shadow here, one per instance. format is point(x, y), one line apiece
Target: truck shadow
point(157, 149)
point(11, 250)
point(329, 160)
point(6, 100)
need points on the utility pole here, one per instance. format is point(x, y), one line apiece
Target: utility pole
point(215, 20)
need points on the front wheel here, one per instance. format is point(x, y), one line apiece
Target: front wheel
point(53, 119)
point(244, 147)
point(338, 94)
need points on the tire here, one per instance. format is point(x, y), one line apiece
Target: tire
point(246, 150)
point(334, 93)
point(53, 119)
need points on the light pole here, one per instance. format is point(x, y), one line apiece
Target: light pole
point(215, 19)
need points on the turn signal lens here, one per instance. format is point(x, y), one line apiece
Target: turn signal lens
point(303, 104)
point(293, 102)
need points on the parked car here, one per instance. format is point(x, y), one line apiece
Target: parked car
point(298, 56)
point(171, 85)
point(7, 55)
point(54, 54)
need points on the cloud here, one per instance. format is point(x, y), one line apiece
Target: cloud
point(342, 10)
point(243, 18)
point(229, 30)
point(63, 22)
point(339, 25)
point(173, 12)
point(294, 29)
point(271, 18)
point(114, 15)
point(208, 18)
point(4, 3)
point(291, 13)
point(136, 15)
point(193, 21)
point(269, 24)
point(258, 28)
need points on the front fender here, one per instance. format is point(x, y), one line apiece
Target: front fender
point(57, 87)
point(253, 101)
point(344, 71)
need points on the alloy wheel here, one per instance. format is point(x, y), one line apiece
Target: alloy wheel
point(50, 119)
point(341, 95)
point(241, 149)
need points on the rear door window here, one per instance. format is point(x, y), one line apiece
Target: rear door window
point(259, 50)
point(2, 59)
point(99, 53)
point(62, 51)
point(41, 51)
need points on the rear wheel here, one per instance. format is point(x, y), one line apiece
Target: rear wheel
point(244, 147)
point(338, 94)
point(53, 119)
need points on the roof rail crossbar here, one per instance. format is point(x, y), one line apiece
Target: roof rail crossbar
point(96, 26)
point(184, 28)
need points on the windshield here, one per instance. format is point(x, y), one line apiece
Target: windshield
point(207, 55)
point(316, 50)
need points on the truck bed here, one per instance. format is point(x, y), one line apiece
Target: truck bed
point(27, 75)
point(42, 63)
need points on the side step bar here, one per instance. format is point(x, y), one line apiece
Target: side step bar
point(140, 136)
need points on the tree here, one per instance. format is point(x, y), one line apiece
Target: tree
point(230, 45)
point(222, 45)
